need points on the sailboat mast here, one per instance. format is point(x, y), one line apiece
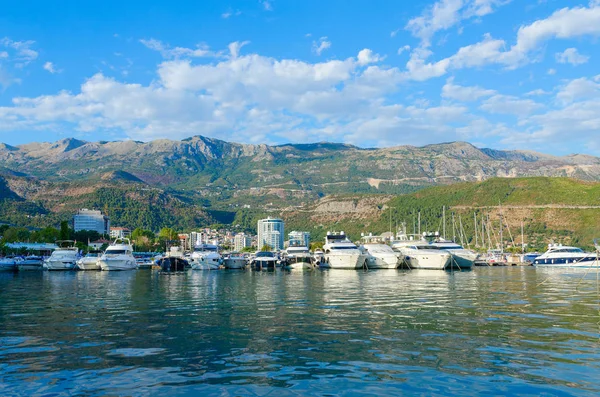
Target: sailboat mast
point(444, 226)
point(475, 229)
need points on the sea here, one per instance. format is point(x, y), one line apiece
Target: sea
point(488, 331)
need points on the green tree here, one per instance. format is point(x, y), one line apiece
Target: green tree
point(65, 232)
point(266, 247)
point(167, 233)
point(13, 234)
point(139, 232)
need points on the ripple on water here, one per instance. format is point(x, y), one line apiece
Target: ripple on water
point(499, 331)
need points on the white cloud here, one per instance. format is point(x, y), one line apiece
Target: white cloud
point(464, 94)
point(506, 104)
point(537, 92)
point(578, 90)
point(445, 14)
point(321, 45)
point(3, 54)
point(229, 13)
point(393, 33)
point(403, 48)
point(570, 55)
point(201, 50)
point(366, 56)
point(566, 23)
point(235, 47)
point(551, 72)
point(23, 52)
point(267, 6)
point(49, 66)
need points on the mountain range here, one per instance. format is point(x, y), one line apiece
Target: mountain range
point(217, 179)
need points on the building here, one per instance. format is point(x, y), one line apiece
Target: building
point(299, 238)
point(271, 233)
point(91, 220)
point(98, 243)
point(119, 232)
point(241, 241)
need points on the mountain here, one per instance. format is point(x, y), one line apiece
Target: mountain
point(230, 174)
point(561, 210)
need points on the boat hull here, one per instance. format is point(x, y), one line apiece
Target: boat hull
point(30, 265)
point(428, 261)
point(344, 261)
point(117, 264)
point(8, 267)
point(571, 262)
point(88, 265)
point(383, 261)
point(462, 261)
point(59, 265)
point(235, 263)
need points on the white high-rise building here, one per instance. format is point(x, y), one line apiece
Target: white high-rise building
point(241, 241)
point(91, 220)
point(271, 233)
point(299, 238)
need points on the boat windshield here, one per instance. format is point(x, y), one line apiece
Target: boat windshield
point(264, 254)
point(343, 247)
point(205, 248)
point(298, 251)
point(577, 250)
point(115, 252)
point(446, 247)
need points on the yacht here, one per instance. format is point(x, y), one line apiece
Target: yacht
point(298, 257)
point(264, 260)
point(64, 257)
point(31, 262)
point(8, 264)
point(118, 256)
point(90, 261)
point(418, 254)
point(235, 260)
point(462, 258)
point(206, 257)
point(561, 255)
point(381, 256)
point(341, 253)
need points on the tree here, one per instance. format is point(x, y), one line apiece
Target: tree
point(248, 249)
point(13, 234)
point(139, 232)
point(166, 233)
point(266, 247)
point(316, 245)
point(65, 232)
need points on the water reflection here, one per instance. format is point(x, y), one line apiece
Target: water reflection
point(510, 330)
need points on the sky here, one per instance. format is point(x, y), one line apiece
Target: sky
point(503, 74)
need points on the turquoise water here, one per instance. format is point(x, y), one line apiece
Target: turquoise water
point(488, 331)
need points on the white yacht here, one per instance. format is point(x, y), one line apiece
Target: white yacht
point(341, 253)
point(462, 258)
point(31, 262)
point(235, 260)
point(206, 257)
point(381, 256)
point(298, 257)
point(563, 256)
point(90, 261)
point(64, 257)
point(118, 256)
point(418, 254)
point(264, 260)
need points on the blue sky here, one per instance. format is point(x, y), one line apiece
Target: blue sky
point(505, 74)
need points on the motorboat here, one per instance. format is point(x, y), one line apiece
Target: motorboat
point(235, 260)
point(173, 264)
point(418, 254)
point(31, 262)
point(318, 256)
point(297, 257)
point(8, 264)
point(462, 258)
point(264, 260)
point(118, 256)
point(381, 256)
point(90, 261)
point(566, 256)
point(64, 257)
point(341, 253)
point(206, 257)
